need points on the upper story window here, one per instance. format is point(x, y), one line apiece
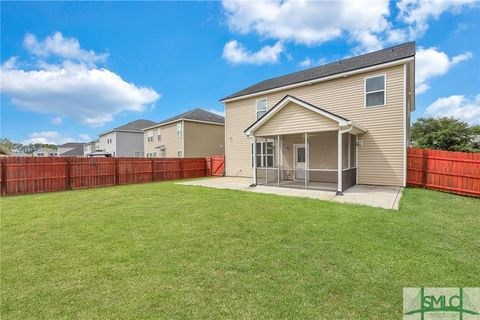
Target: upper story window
point(150, 135)
point(261, 107)
point(375, 93)
point(179, 130)
point(159, 134)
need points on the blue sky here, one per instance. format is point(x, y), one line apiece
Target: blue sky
point(72, 70)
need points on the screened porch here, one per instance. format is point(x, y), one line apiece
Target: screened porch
point(306, 160)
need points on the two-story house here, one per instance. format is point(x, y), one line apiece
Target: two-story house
point(328, 127)
point(90, 147)
point(124, 141)
point(195, 133)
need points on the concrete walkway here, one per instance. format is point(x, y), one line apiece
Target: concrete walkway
point(374, 196)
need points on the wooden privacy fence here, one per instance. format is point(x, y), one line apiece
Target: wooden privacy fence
point(456, 172)
point(22, 175)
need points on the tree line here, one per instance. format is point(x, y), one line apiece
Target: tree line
point(7, 146)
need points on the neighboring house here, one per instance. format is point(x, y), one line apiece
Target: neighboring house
point(90, 147)
point(124, 141)
point(328, 127)
point(71, 149)
point(45, 152)
point(195, 133)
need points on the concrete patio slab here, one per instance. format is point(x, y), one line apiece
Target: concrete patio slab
point(374, 196)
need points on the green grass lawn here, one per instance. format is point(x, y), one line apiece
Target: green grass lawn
point(162, 250)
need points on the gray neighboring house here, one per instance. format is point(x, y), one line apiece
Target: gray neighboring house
point(124, 141)
point(71, 149)
point(45, 152)
point(90, 147)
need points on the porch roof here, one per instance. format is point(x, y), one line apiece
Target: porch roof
point(343, 123)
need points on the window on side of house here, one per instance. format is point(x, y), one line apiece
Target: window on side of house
point(375, 93)
point(159, 134)
point(137, 154)
point(150, 135)
point(179, 154)
point(179, 130)
point(261, 107)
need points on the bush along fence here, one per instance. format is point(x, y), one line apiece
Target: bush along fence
point(22, 175)
point(455, 172)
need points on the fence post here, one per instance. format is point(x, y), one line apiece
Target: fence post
point(182, 174)
point(69, 178)
point(153, 170)
point(4, 178)
point(207, 159)
point(116, 171)
point(424, 168)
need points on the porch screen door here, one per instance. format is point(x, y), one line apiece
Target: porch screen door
point(300, 162)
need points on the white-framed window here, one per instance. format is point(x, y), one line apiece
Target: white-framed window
point(40, 154)
point(114, 153)
point(265, 154)
point(159, 134)
point(179, 130)
point(261, 107)
point(150, 135)
point(137, 154)
point(179, 153)
point(375, 91)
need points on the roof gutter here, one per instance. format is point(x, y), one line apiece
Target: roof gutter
point(334, 76)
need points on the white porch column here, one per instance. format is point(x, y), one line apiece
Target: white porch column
point(278, 160)
point(306, 160)
point(254, 161)
point(340, 164)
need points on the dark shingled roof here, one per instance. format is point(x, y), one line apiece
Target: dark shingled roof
point(71, 145)
point(136, 125)
point(367, 60)
point(74, 152)
point(196, 114)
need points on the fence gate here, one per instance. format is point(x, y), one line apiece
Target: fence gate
point(218, 166)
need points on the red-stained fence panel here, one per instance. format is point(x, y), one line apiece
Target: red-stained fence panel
point(22, 175)
point(455, 172)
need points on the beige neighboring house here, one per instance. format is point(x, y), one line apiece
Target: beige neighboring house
point(328, 127)
point(71, 149)
point(195, 133)
point(45, 152)
point(124, 141)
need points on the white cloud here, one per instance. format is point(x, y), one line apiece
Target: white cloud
point(431, 63)
point(417, 13)
point(80, 91)
point(307, 62)
point(220, 113)
point(65, 48)
point(457, 106)
point(236, 53)
point(54, 137)
point(84, 137)
point(57, 121)
point(310, 22)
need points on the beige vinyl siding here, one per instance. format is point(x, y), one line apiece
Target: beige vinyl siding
point(169, 139)
point(380, 159)
point(203, 139)
point(295, 119)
